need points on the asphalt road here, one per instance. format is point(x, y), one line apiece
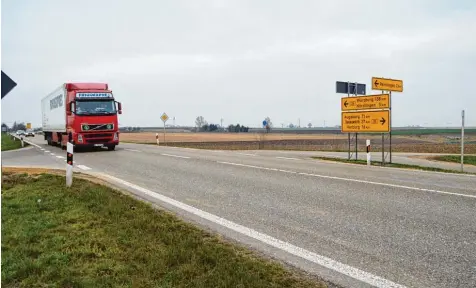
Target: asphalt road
point(413, 228)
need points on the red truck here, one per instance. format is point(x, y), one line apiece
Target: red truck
point(87, 111)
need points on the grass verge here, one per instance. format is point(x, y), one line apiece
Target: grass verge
point(469, 159)
point(94, 236)
point(394, 165)
point(9, 144)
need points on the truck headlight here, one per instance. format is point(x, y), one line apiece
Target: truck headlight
point(116, 137)
point(80, 138)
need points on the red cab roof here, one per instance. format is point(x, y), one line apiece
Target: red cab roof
point(86, 86)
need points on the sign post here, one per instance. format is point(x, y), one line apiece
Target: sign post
point(164, 118)
point(385, 84)
point(368, 151)
point(462, 141)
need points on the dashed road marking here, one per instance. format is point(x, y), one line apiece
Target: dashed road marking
point(176, 156)
point(247, 154)
point(132, 150)
point(351, 180)
point(60, 157)
point(82, 167)
point(287, 158)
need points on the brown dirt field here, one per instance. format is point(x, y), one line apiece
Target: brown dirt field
point(220, 137)
point(302, 142)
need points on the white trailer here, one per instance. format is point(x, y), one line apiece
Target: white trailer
point(53, 111)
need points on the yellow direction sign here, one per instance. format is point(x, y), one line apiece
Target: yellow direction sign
point(387, 84)
point(370, 102)
point(28, 125)
point(366, 122)
point(164, 117)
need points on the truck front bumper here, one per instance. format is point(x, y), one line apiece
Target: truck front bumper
point(96, 139)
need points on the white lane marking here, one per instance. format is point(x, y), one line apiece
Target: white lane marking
point(46, 151)
point(52, 154)
point(132, 150)
point(177, 156)
point(287, 158)
point(83, 167)
point(285, 246)
point(246, 154)
point(353, 180)
point(60, 157)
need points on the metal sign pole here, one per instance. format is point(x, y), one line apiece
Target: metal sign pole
point(356, 143)
point(348, 135)
point(164, 133)
point(390, 95)
point(462, 141)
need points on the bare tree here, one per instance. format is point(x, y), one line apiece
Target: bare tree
point(200, 121)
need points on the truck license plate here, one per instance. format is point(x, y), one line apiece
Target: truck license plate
point(98, 145)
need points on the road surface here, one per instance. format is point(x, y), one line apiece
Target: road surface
point(354, 225)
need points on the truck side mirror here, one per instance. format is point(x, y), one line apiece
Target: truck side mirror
point(119, 108)
point(70, 108)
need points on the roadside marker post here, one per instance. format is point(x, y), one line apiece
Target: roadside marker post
point(368, 151)
point(69, 160)
point(157, 138)
point(22, 143)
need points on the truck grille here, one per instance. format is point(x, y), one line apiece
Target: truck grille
point(97, 127)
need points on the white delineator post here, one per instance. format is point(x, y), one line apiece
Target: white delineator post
point(22, 143)
point(157, 138)
point(368, 152)
point(69, 162)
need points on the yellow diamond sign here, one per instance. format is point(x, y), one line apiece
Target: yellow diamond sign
point(164, 117)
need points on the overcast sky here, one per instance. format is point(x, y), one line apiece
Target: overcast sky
point(243, 60)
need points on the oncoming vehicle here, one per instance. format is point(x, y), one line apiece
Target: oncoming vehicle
point(87, 112)
point(29, 133)
point(20, 132)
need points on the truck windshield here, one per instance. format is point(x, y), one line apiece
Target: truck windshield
point(98, 107)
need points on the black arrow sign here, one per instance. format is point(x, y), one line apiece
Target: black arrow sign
point(382, 121)
point(376, 83)
point(7, 84)
point(345, 103)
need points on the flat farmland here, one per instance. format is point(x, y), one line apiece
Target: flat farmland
point(302, 142)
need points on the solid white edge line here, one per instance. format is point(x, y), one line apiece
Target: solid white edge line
point(60, 157)
point(285, 246)
point(287, 158)
point(352, 180)
point(177, 156)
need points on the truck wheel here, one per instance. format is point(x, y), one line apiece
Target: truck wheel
point(111, 148)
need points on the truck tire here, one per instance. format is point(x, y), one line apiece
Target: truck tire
point(111, 148)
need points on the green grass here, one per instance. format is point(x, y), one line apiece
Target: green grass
point(469, 159)
point(93, 236)
point(9, 144)
point(395, 165)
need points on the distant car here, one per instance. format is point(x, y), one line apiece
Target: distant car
point(29, 133)
point(20, 132)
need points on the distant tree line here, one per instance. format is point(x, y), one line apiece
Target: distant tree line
point(238, 128)
point(16, 126)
